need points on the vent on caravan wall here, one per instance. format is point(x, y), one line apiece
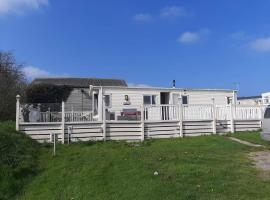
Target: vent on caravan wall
point(173, 82)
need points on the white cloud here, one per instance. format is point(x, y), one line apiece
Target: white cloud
point(35, 72)
point(261, 44)
point(173, 11)
point(19, 6)
point(189, 37)
point(143, 17)
point(167, 12)
point(193, 37)
point(138, 85)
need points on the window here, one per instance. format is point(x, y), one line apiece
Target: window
point(266, 100)
point(229, 100)
point(149, 99)
point(107, 99)
point(153, 99)
point(184, 99)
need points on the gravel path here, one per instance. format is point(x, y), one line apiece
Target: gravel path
point(261, 159)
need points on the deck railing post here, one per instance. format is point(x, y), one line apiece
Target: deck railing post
point(104, 117)
point(63, 122)
point(142, 122)
point(180, 110)
point(232, 118)
point(17, 112)
point(214, 117)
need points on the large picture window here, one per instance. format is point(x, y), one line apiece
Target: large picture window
point(149, 99)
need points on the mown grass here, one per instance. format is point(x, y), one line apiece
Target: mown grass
point(18, 160)
point(209, 167)
point(251, 136)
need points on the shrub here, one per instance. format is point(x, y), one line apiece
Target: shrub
point(47, 93)
point(18, 160)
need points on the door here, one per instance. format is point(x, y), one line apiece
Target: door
point(164, 98)
point(165, 109)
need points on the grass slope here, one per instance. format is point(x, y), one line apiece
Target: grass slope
point(18, 160)
point(209, 167)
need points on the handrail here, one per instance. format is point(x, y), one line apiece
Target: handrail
point(156, 112)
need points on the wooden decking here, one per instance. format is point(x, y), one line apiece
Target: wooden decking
point(94, 131)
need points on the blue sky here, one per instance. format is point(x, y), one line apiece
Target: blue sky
point(199, 43)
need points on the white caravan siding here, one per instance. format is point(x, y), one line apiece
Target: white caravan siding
point(135, 97)
point(205, 97)
point(194, 96)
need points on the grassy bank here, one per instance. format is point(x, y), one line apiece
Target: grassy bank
point(18, 160)
point(210, 167)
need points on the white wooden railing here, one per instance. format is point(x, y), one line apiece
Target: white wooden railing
point(57, 117)
point(151, 113)
point(202, 112)
point(161, 112)
point(50, 117)
point(79, 116)
point(247, 112)
point(223, 112)
point(197, 112)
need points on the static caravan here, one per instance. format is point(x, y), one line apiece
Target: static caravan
point(114, 95)
point(108, 109)
point(130, 99)
point(137, 96)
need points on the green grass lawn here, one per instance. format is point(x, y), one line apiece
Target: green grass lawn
point(251, 136)
point(207, 167)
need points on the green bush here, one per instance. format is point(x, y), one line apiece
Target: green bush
point(18, 160)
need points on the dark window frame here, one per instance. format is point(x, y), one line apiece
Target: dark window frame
point(185, 99)
point(109, 97)
point(267, 113)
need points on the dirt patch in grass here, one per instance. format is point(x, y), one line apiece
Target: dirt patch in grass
point(261, 160)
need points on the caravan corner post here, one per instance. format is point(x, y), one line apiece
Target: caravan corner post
point(142, 122)
point(63, 123)
point(214, 117)
point(103, 105)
